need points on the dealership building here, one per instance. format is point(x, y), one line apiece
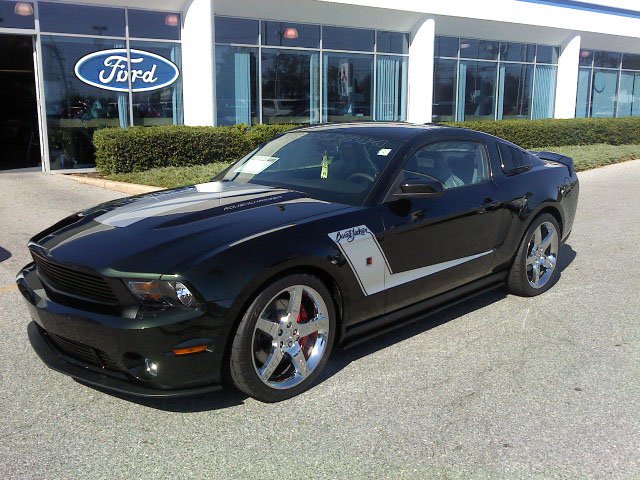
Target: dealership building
point(69, 68)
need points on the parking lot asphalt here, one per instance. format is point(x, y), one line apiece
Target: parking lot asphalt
point(498, 387)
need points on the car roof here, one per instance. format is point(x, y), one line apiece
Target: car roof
point(391, 130)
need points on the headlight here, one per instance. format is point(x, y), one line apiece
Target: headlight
point(162, 293)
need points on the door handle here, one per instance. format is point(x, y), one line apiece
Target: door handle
point(490, 205)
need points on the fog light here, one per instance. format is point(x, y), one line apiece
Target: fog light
point(152, 368)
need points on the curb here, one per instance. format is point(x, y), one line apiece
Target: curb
point(123, 187)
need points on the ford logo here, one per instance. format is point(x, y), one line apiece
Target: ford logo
point(107, 69)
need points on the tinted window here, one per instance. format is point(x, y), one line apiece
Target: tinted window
point(337, 38)
point(16, 15)
point(586, 58)
point(482, 49)
point(606, 59)
point(147, 24)
point(631, 61)
point(444, 86)
point(446, 47)
point(348, 87)
point(57, 17)
point(454, 163)
point(332, 166)
point(547, 54)
point(288, 34)
point(236, 30)
point(516, 160)
point(393, 42)
point(517, 52)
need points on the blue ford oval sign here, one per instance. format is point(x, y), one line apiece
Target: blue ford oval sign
point(107, 69)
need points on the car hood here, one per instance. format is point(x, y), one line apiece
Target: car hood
point(160, 231)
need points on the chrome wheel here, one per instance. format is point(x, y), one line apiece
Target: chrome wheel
point(290, 337)
point(542, 255)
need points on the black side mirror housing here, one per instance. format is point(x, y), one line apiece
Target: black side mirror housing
point(420, 187)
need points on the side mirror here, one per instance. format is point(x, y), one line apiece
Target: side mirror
point(420, 187)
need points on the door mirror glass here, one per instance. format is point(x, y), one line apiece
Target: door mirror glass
point(420, 187)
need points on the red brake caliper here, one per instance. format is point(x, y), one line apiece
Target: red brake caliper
point(303, 317)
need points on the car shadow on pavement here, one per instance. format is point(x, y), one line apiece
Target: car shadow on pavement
point(341, 357)
point(4, 254)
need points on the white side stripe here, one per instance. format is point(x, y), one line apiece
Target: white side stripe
point(358, 244)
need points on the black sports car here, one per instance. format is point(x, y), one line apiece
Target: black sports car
point(323, 236)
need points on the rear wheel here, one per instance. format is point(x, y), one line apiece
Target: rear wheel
point(534, 270)
point(284, 339)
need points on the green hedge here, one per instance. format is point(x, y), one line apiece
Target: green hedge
point(141, 148)
point(575, 131)
point(137, 149)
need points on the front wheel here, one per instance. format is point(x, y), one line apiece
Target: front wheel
point(534, 269)
point(284, 339)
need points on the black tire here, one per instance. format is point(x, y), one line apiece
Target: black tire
point(242, 367)
point(518, 281)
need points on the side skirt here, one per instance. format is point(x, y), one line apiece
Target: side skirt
point(361, 332)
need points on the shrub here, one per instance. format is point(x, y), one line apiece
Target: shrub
point(574, 131)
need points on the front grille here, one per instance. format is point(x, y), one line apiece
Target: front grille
point(78, 284)
point(83, 353)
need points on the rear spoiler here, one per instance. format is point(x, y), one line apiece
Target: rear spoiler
point(557, 158)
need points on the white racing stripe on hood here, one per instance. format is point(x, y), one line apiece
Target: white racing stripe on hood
point(358, 244)
point(182, 201)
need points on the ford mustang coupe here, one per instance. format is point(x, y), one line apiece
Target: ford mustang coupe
point(323, 236)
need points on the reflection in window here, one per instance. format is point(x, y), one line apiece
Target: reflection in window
point(444, 88)
point(547, 54)
point(355, 39)
point(162, 106)
point(446, 47)
point(392, 42)
point(236, 30)
point(236, 85)
point(74, 109)
point(603, 95)
point(517, 52)
point(16, 15)
point(100, 21)
point(146, 24)
point(629, 95)
point(348, 81)
point(287, 34)
point(476, 90)
point(481, 49)
point(290, 87)
point(514, 91)
point(391, 88)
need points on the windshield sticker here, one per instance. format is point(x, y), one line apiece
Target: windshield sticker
point(326, 161)
point(256, 164)
point(384, 151)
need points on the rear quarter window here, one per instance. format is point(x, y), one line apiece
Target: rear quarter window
point(515, 160)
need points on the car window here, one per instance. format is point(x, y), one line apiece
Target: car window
point(333, 166)
point(516, 160)
point(455, 163)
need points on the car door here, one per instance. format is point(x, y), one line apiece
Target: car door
point(435, 243)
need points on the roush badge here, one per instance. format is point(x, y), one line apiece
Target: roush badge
point(107, 69)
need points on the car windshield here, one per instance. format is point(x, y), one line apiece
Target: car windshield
point(331, 166)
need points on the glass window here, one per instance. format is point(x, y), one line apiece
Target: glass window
point(454, 163)
point(544, 91)
point(481, 49)
point(391, 88)
point(75, 109)
point(444, 90)
point(161, 106)
point(236, 30)
point(446, 47)
point(515, 160)
point(514, 91)
point(603, 93)
point(348, 87)
point(286, 34)
point(146, 24)
point(16, 15)
point(582, 96)
point(606, 59)
point(476, 90)
point(517, 52)
point(392, 42)
point(100, 21)
point(586, 58)
point(547, 54)
point(290, 87)
point(631, 61)
point(338, 38)
point(236, 85)
point(629, 95)
point(329, 164)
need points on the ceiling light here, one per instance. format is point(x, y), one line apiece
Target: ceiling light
point(290, 33)
point(172, 20)
point(23, 9)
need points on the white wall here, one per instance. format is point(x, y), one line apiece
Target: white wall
point(567, 82)
point(198, 63)
point(420, 84)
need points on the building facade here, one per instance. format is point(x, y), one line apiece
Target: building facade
point(69, 68)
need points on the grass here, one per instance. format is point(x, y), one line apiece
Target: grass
point(585, 157)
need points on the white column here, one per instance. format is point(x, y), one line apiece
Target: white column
point(198, 63)
point(567, 84)
point(421, 71)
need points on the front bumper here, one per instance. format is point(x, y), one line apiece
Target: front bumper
point(114, 353)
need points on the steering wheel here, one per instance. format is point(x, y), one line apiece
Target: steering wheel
point(360, 175)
